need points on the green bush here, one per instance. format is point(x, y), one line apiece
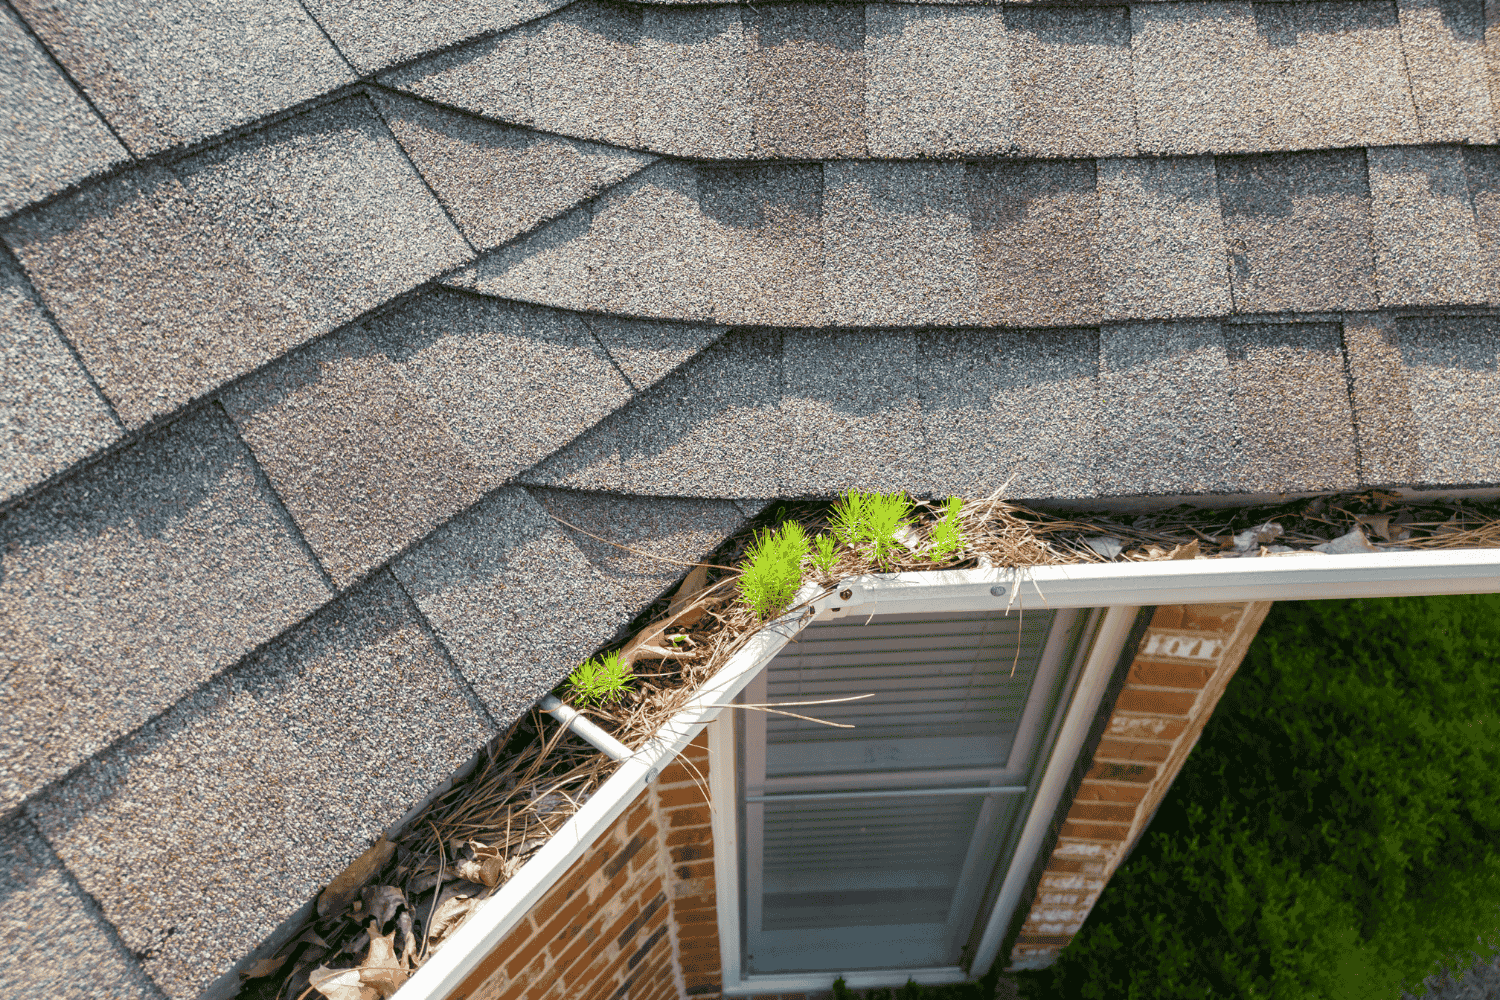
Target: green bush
point(772, 569)
point(598, 681)
point(1335, 834)
point(871, 520)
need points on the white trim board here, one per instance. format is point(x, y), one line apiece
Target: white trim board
point(1124, 586)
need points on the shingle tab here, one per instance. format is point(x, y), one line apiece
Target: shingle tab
point(897, 244)
point(491, 77)
point(175, 71)
point(1482, 170)
point(375, 35)
point(363, 468)
point(1444, 45)
point(647, 350)
point(1019, 403)
point(1451, 367)
point(771, 218)
point(1385, 426)
point(693, 80)
point(129, 584)
point(677, 531)
point(513, 599)
point(52, 137)
point(51, 933)
point(1161, 238)
point(939, 81)
point(498, 181)
point(1070, 71)
point(1427, 249)
point(50, 416)
point(1168, 422)
point(1036, 241)
point(642, 249)
point(584, 74)
point(159, 304)
point(1298, 229)
point(1255, 77)
point(1291, 400)
point(807, 79)
point(330, 210)
point(212, 825)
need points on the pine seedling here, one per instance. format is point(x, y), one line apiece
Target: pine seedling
point(947, 535)
point(825, 553)
point(871, 519)
point(599, 681)
point(772, 569)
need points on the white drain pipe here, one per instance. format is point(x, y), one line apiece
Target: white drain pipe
point(569, 717)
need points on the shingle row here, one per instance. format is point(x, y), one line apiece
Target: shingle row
point(1125, 409)
point(1021, 243)
point(834, 81)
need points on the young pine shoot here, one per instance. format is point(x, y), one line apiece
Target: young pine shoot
point(599, 681)
point(825, 553)
point(772, 570)
point(871, 519)
point(947, 536)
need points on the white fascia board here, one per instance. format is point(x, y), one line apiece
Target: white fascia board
point(1288, 577)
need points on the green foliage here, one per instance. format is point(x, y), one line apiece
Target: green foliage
point(871, 520)
point(772, 569)
point(1335, 834)
point(947, 536)
point(598, 681)
point(825, 553)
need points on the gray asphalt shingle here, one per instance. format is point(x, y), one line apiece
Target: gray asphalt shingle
point(1427, 249)
point(583, 71)
point(1070, 72)
point(1482, 170)
point(498, 181)
point(129, 584)
point(807, 79)
point(1018, 403)
point(52, 137)
point(694, 98)
point(363, 468)
point(1240, 77)
point(175, 71)
point(495, 583)
point(1443, 41)
point(491, 77)
point(54, 945)
point(771, 220)
point(375, 34)
point(939, 81)
point(1298, 230)
point(897, 245)
point(1384, 422)
point(205, 830)
point(50, 416)
point(1451, 368)
point(1161, 239)
point(647, 350)
point(1036, 241)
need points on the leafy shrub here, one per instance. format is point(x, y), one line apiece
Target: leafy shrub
point(947, 536)
point(598, 681)
point(1335, 834)
point(772, 569)
point(871, 520)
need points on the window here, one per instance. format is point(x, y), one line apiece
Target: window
point(880, 847)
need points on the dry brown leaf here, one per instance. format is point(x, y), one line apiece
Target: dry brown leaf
point(1380, 524)
point(340, 984)
point(1188, 551)
point(450, 914)
point(382, 901)
point(694, 583)
point(651, 634)
point(342, 890)
point(264, 967)
point(485, 870)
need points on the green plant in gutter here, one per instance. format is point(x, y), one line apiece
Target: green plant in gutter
point(947, 536)
point(871, 520)
point(825, 553)
point(772, 569)
point(599, 681)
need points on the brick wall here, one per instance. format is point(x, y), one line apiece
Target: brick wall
point(1182, 666)
point(633, 919)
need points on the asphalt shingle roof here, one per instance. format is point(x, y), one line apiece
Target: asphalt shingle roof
point(300, 388)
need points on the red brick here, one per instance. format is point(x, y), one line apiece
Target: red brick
point(1091, 791)
point(689, 835)
point(1099, 812)
point(692, 852)
point(1043, 940)
point(687, 795)
point(687, 817)
point(638, 815)
point(1135, 773)
point(572, 882)
point(687, 901)
point(579, 946)
point(695, 869)
point(1221, 618)
point(1093, 831)
point(1132, 750)
point(524, 956)
point(567, 923)
point(1169, 675)
point(1155, 702)
point(622, 857)
point(1142, 727)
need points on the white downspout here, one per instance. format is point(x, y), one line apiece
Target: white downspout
point(569, 717)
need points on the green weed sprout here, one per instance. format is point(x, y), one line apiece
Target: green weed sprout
point(825, 553)
point(773, 569)
point(598, 681)
point(871, 519)
point(947, 536)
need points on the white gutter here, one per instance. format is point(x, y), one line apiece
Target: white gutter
point(457, 957)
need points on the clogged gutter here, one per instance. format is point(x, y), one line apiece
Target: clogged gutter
point(402, 899)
